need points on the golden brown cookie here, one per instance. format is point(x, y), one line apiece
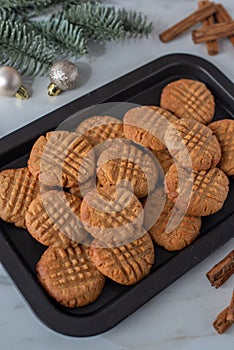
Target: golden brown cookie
point(189, 99)
point(69, 276)
point(224, 131)
point(199, 144)
point(146, 125)
point(114, 216)
point(53, 219)
point(128, 165)
point(17, 190)
point(126, 264)
point(204, 191)
point(63, 159)
point(178, 237)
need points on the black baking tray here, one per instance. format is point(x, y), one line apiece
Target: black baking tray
point(19, 252)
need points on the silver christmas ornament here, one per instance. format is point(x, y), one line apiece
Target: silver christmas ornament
point(64, 76)
point(11, 83)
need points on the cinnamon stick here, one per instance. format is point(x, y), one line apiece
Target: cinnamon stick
point(213, 32)
point(230, 312)
point(222, 270)
point(187, 22)
point(221, 324)
point(212, 46)
point(222, 15)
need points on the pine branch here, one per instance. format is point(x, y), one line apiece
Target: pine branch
point(24, 50)
point(134, 23)
point(98, 22)
point(67, 36)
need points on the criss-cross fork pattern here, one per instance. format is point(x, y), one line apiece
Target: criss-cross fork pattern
point(70, 267)
point(123, 214)
point(133, 165)
point(70, 276)
point(54, 221)
point(128, 263)
point(196, 137)
point(70, 156)
point(17, 190)
point(99, 129)
point(191, 100)
point(208, 187)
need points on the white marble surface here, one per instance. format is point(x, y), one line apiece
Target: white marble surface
point(181, 316)
point(104, 64)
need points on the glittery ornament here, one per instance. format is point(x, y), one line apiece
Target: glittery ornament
point(64, 76)
point(11, 83)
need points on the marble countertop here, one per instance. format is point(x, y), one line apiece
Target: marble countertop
point(179, 317)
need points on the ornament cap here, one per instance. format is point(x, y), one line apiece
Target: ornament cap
point(22, 93)
point(53, 90)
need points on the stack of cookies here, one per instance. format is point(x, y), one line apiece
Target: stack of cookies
point(99, 196)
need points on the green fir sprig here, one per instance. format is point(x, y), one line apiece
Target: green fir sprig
point(32, 45)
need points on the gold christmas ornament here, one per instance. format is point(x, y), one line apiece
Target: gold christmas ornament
point(63, 76)
point(11, 83)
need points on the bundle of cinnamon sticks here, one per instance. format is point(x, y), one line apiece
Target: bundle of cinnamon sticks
point(216, 24)
point(219, 274)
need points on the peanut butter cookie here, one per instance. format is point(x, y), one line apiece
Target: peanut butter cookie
point(62, 159)
point(204, 191)
point(128, 165)
point(201, 147)
point(113, 215)
point(53, 219)
point(189, 99)
point(126, 264)
point(69, 276)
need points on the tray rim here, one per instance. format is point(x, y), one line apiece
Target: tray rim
point(92, 324)
point(51, 120)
